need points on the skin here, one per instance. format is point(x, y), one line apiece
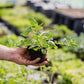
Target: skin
point(17, 55)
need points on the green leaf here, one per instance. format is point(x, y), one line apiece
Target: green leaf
point(26, 32)
point(43, 51)
point(51, 44)
point(36, 48)
point(55, 47)
point(33, 22)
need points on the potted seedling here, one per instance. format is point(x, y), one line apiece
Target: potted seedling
point(38, 41)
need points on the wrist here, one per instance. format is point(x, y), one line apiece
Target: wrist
point(11, 54)
point(6, 53)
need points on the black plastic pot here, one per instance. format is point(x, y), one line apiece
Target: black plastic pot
point(28, 2)
point(38, 8)
point(46, 1)
point(48, 13)
point(79, 26)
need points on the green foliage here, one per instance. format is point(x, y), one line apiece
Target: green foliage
point(15, 74)
point(20, 17)
point(71, 68)
point(59, 55)
point(61, 31)
point(39, 40)
point(10, 40)
point(68, 65)
point(5, 5)
point(42, 39)
point(68, 41)
point(40, 18)
point(79, 48)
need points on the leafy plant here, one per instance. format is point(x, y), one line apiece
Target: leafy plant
point(10, 40)
point(70, 68)
point(79, 49)
point(61, 31)
point(20, 16)
point(38, 40)
point(39, 17)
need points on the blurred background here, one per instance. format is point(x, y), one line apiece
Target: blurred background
point(66, 18)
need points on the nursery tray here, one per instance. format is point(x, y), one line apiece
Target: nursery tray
point(72, 18)
point(74, 13)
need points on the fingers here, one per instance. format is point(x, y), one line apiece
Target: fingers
point(40, 64)
point(47, 60)
point(43, 63)
point(32, 62)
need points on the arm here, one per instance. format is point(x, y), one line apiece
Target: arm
point(5, 53)
point(16, 55)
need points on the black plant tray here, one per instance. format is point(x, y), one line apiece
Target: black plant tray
point(38, 8)
point(48, 13)
point(7, 7)
point(28, 2)
point(72, 23)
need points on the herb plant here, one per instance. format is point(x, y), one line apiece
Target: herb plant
point(79, 49)
point(38, 40)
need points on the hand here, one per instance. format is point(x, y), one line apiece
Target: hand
point(18, 57)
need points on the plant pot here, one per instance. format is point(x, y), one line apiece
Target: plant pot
point(35, 54)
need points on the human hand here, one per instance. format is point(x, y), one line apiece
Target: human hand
point(18, 55)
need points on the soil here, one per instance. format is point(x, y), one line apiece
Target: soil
point(35, 54)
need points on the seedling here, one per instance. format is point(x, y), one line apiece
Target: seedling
point(39, 41)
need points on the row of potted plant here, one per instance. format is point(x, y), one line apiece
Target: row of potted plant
point(6, 5)
point(21, 19)
point(79, 49)
point(67, 64)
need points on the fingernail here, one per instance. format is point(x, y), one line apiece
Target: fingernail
point(48, 60)
point(39, 58)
